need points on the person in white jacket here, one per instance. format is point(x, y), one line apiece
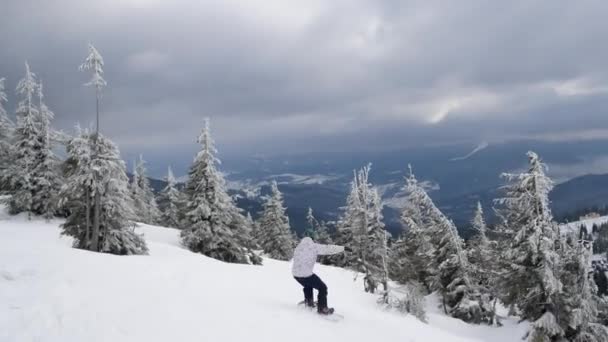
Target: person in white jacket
point(304, 259)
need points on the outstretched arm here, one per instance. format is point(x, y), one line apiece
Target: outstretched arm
point(328, 249)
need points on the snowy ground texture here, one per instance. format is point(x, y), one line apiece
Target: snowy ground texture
point(51, 292)
point(576, 225)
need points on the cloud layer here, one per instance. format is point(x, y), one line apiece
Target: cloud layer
point(283, 76)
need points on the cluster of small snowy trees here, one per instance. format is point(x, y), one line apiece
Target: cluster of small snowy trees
point(540, 273)
point(146, 209)
point(524, 263)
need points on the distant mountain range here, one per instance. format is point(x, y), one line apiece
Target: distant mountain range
point(456, 176)
point(575, 195)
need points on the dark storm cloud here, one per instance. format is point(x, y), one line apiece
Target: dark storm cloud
point(284, 76)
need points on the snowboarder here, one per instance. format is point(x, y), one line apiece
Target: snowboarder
point(304, 259)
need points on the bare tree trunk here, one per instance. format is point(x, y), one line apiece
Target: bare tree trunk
point(96, 210)
point(97, 201)
point(87, 235)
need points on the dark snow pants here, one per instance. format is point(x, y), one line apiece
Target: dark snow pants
point(314, 282)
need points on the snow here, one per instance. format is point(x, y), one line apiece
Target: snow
point(52, 292)
point(400, 198)
point(574, 226)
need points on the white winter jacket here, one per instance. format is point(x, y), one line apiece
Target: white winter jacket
point(305, 256)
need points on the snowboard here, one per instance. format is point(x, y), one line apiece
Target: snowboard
point(333, 317)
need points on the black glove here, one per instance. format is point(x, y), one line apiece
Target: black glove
point(348, 249)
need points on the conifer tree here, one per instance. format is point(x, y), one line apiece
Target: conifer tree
point(146, 209)
point(105, 173)
point(6, 135)
point(26, 144)
point(416, 248)
point(45, 175)
point(480, 249)
point(319, 232)
point(323, 234)
point(210, 215)
point(170, 202)
point(311, 229)
point(361, 230)
point(347, 228)
point(581, 317)
point(438, 254)
point(94, 63)
point(275, 236)
point(530, 276)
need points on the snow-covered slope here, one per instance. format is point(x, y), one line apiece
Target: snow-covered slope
point(51, 292)
point(574, 226)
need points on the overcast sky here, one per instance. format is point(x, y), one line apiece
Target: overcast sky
point(282, 76)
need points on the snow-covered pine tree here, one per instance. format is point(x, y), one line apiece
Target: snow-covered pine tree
point(530, 266)
point(135, 192)
point(209, 217)
point(6, 135)
point(170, 202)
point(311, 229)
point(580, 319)
point(416, 252)
point(319, 232)
point(346, 228)
point(146, 209)
point(433, 243)
point(480, 250)
point(45, 176)
point(105, 174)
point(376, 250)
point(26, 144)
point(244, 228)
point(362, 231)
point(94, 63)
point(275, 236)
point(463, 297)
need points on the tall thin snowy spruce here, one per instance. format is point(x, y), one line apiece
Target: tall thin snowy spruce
point(275, 236)
point(170, 202)
point(94, 63)
point(435, 245)
point(146, 209)
point(362, 230)
point(106, 175)
point(6, 136)
point(212, 223)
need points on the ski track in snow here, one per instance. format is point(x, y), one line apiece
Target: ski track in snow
point(52, 292)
